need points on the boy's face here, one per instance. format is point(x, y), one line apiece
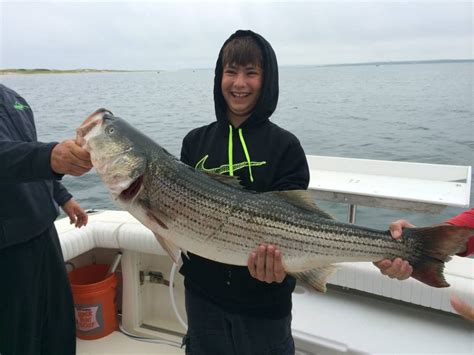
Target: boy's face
point(241, 86)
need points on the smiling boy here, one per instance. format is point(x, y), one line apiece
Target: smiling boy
point(241, 86)
point(235, 309)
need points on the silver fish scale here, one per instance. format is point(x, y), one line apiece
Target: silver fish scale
point(208, 211)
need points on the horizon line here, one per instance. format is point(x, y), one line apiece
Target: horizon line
point(415, 61)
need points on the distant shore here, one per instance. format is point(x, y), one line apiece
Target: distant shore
point(85, 71)
point(401, 62)
point(57, 71)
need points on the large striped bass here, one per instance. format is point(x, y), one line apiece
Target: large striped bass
point(213, 216)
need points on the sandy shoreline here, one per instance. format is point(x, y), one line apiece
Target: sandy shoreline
point(54, 71)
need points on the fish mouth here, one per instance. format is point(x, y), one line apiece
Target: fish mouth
point(131, 191)
point(89, 124)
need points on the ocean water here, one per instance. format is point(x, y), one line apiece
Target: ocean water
point(411, 112)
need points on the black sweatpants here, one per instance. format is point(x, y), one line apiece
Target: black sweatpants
point(213, 331)
point(36, 307)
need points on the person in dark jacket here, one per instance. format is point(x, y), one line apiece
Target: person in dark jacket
point(36, 306)
point(235, 309)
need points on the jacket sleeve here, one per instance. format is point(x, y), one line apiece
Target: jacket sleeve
point(465, 219)
point(61, 194)
point(293, 170)
point(22, 161)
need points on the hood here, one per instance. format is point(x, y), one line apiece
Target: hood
point(268, 99)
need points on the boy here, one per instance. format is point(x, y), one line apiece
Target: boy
point(234, 309)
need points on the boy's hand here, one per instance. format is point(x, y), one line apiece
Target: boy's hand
point(75, 213)
point(398, 268)
point(265, 264)
point(69, 158)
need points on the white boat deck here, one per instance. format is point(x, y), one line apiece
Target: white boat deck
point(348, 322)
point(118, 343)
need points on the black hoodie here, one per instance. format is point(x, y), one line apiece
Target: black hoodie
point(29, 190)
point(266, 158)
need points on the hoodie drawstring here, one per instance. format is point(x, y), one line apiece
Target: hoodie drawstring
point(229, 152)
point(242, 141)
point(246, 152)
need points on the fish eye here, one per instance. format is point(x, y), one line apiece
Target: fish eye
point(110, 130)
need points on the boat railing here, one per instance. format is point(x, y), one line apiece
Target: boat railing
point(416, 187)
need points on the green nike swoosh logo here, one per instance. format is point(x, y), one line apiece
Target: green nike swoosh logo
point(225, 167)
point(19, 106)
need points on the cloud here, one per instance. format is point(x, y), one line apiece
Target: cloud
point(172, 35)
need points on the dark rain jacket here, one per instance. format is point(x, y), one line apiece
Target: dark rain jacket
point(29, 190)
point(266, 158)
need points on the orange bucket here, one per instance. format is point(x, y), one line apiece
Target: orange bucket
point(94, 301)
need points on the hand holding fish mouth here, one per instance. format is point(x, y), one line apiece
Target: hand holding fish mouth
point(265, 264)
point(69, 158)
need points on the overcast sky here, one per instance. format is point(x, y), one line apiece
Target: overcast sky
point(174, 35)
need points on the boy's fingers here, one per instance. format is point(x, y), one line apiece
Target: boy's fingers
point(269, 261)
point(383, 264)
point(261, 262)
point(251, 264)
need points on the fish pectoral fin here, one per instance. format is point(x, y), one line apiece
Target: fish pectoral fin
point(302, 199)
point(172, 250)
point(316, 278)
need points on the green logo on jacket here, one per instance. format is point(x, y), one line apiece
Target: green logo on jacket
point(19, 106)
point(224, 168)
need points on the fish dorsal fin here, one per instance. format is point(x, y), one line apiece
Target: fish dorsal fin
point(233, 181)
point(317, 277)
point(303, 199)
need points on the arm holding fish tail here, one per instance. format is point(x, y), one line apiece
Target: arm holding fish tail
point(398, 269)
point(464, 219)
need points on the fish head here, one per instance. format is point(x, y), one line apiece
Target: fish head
point(119, 161)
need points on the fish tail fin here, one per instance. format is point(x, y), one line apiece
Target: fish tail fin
point(433, 247)
point(317, 277)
